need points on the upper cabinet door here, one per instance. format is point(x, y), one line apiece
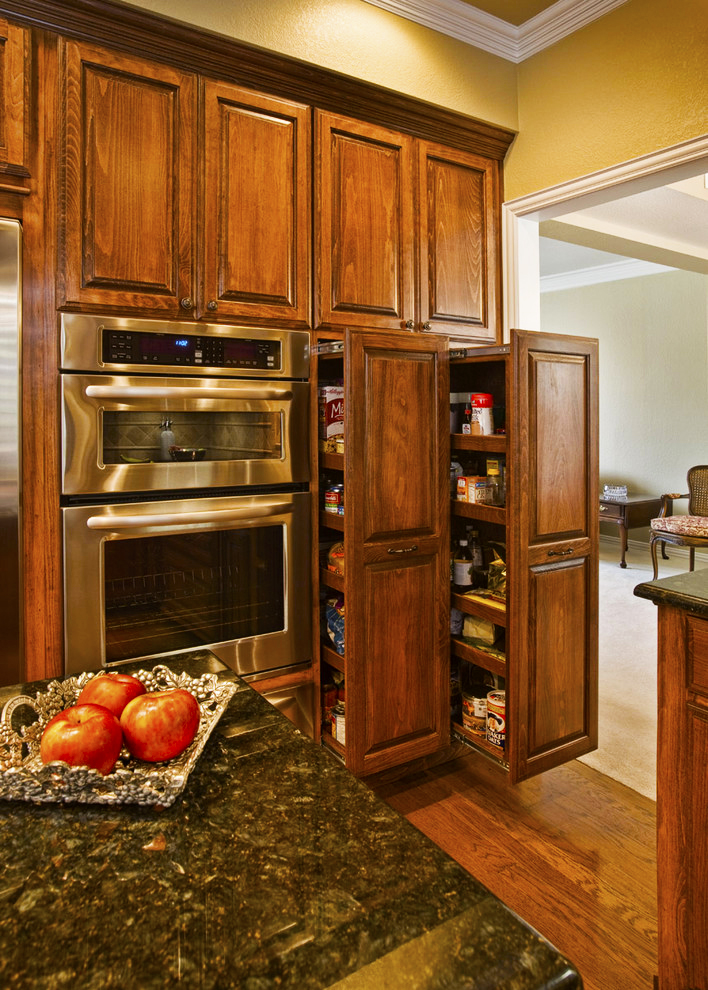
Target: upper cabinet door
point(554, 551)
point(255, 225)
point(128, 185)
point(364, 224)
point(13, 100)
point(460, 266)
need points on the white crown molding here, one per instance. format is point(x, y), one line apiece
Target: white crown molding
point(480, 30)
point(613, 272)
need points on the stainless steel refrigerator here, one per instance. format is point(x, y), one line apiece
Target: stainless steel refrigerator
point(10, 451)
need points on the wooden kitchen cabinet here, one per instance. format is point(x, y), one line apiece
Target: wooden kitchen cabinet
point(127, 212)
point(545, 395)
point(364, 225)
point(459, 203)
point(14, 106)
point(407, 233)
point(394, 470)
point(162, 217)
point(256, 218)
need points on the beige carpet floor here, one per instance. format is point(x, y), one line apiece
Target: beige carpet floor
point(628, 665)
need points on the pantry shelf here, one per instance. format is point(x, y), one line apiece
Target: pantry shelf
point(479, 607)
point(332, 520)
point(479, 511)
point(333, 658)
point(493, 443)
point(332, 580)
point(472, 655)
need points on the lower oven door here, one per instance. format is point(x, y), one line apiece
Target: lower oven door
point(148, 579)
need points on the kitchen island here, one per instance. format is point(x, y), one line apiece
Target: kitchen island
point(274, 868)
point(681, 778)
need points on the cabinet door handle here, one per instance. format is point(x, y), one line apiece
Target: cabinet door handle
point(426, 326)
point(187, 302)
point(402, 549)
point(212, 304)
point(410, 325)
point(560, 553)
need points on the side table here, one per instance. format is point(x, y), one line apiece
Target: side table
point(630, 512)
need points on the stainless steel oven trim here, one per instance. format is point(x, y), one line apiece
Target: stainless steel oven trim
point(84, 398)
point(87, 528)
point(80, 347)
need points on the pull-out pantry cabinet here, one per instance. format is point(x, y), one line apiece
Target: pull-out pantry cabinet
point(394, 472)
point(545, 387)
point(393, 668)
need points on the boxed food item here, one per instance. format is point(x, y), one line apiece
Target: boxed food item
point(330, 416)
point(473, 488)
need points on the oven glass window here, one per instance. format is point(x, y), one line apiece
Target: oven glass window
point(181, 592)
point(131, 437)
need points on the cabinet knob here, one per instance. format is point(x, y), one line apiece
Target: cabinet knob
point(426, 326)
point(410, 325)
point(187, 302)
point(212, 304)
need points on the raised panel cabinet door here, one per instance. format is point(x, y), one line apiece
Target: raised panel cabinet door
point(460, 248)
point(552, 688)
point(128, 201)
point(364, 225)
point(256, 218)
point(14, 45)
point(396, 511)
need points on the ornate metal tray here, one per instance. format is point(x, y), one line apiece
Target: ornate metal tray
point(23, 776)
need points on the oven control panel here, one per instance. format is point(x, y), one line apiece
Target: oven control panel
point(134, 347)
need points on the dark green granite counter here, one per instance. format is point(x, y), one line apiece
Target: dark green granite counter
point(274, 868)
point(688, 591)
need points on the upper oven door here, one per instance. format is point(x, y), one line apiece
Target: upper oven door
point(241, 433)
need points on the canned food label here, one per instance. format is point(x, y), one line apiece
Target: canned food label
point(496, 718)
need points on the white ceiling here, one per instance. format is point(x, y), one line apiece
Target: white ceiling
point(657, 229)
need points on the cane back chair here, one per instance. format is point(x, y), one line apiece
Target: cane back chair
point(690, 530)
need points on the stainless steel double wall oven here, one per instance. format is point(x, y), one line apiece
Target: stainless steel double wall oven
point(185, 493)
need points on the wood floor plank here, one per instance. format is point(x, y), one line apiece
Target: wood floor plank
point(572, 852)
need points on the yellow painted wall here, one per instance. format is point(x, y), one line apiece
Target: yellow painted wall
point(629, 84)
point(360, 40)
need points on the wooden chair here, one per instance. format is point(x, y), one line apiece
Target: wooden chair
point(690, 530)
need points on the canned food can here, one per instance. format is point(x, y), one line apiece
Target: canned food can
point(496, 718)
point(338, 722)
point(334, 499)
point(474, 714)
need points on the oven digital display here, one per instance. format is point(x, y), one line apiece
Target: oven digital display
point(128, 347)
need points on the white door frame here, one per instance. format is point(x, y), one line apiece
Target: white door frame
point(521, 217)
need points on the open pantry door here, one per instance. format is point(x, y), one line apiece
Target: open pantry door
point(552, 696)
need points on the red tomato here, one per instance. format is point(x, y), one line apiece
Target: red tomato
point(160, 725)
point(113, 691)
point(83, 736)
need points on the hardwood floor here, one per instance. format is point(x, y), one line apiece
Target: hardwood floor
point(573, 852)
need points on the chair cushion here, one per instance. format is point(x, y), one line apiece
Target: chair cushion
point(682, 525)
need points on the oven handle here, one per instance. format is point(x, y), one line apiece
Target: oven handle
point(185, 392)
point(180, 519)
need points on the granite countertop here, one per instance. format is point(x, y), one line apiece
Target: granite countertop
point(688, 591)
point(274, 868)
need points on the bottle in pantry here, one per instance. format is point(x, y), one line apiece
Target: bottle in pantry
point(462, 568)
point(494, 478)
point(476, 555)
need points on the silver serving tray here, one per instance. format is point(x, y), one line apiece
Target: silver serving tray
point(23, 776)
